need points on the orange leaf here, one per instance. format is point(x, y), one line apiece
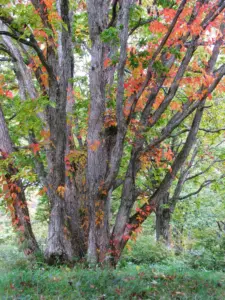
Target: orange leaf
point(49, 3)
point(61, 190)
point(169, 155)
point(14, 196)
point(35, 147)
point(126, 237)
point(176, 106)
point(93, 146)
point(5, 188)
point(157, 27)
point(107, 62)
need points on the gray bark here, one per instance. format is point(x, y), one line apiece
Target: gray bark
point(163, 216)
point(104, 161)
point(62, 244)
point(59, 69)
point(19, 211)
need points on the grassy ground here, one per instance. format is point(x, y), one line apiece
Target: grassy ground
point(22, 280)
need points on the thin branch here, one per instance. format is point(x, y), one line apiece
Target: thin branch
point(201, 129)
point(212, 130)
point(177, 164)
point(179, 133)
point(203, 185)
point(114, 5)
point(141, 23)
point(206, 170)
point(12, 117)
point(4, 59)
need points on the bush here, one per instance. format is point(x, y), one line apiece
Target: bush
point(208, 251)
point(205, 259)
point(11, 257)
point(147, 251)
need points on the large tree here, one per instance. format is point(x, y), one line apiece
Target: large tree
point(150, 68)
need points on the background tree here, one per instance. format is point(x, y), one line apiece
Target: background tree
point(201, 170)
point(140, 59)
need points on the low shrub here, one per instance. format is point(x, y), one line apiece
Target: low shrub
point(208, 251)
point(146, 250)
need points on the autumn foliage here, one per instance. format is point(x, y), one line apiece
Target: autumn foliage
point(103, 87)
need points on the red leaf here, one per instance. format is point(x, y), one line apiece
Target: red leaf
point(107, 62)
point(9, 94)
point(35, 148)
point(157, 27)
point(126, 237)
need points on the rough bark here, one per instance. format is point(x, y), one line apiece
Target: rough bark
point(59, 66)
point(163, 216)
point(18, 204)
point(109, 141)
point(60, 242)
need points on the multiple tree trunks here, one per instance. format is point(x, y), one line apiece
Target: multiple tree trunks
point(80, 191)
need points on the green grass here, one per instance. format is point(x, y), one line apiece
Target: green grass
point(25, 280)
point(131, 282)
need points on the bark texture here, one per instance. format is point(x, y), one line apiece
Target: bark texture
point(163, 216)
point(16, 196)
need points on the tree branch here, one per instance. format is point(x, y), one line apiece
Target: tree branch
point(146, 209)
point(114, 5)
point(204, 171)
point(212, 130)
point(141, 23)
point(33, 45)
point(4, 59)
point(203, 185)
point(134, 98)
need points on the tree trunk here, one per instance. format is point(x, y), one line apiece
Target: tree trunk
point(97, 164)
point(178, 239)
point(163, 216)
point(64, 237)
point(20, 214)
point(16, 199)
point(105, 145)
point(76, 211)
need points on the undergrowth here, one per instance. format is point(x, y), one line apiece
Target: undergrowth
point(24, 279)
